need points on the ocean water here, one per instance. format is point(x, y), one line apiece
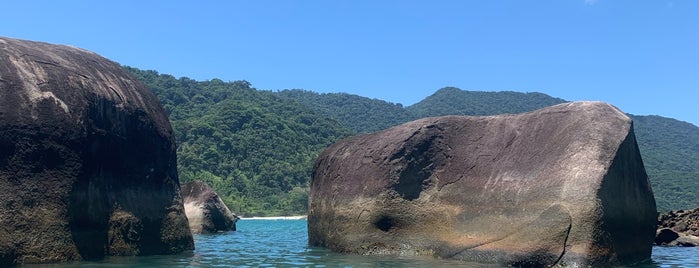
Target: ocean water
point(283, 243)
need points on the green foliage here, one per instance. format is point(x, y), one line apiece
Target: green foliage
point(257, 148)
point(361, 114)
point(454, 101)
point(365, 115)
point(254, 148)
point(670, 148)
point(670, 151)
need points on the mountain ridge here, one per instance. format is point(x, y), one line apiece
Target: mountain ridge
point(214, 143)
point(670, 157)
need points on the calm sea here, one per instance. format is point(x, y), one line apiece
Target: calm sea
point(282, 243)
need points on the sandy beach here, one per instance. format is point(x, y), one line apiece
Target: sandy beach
point(299, 217)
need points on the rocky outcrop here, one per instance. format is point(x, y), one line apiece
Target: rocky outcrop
point(87, 160)
point(205, 210)
point(562, 185)
point(678, 228)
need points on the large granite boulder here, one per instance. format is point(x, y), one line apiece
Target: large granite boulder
point(562, 185)
point(87, 160)
point(205, 210)
point(678, 228)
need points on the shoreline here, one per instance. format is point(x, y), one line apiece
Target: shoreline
point(298, 217)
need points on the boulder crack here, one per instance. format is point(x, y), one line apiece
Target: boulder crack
point(565, 244)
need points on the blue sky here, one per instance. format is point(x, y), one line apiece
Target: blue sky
point(642, 56)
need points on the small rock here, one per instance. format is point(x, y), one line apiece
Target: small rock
point(665, 236)
point(688, 241)
point(205, 210)
point(683, 222)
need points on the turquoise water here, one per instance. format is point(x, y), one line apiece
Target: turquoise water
point(283, 243)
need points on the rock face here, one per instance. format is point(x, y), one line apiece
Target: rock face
point(678, 228)
point(87, 160)
point(561, 185)
point(205, 210)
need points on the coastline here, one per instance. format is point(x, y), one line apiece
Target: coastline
point(298, 217)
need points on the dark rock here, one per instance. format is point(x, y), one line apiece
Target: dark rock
point(562, 185)
point(665, 236)
point(87, 160)
point(205, 210)
point(684, 223)
point(681, 221)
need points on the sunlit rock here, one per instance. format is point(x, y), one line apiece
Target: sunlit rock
point(562, 185)
point(205, 210)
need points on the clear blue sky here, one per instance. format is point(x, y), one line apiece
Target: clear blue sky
point(642, 56)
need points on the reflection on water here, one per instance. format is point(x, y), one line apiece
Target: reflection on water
point(282, 243)
point(264, 243)
point(675, 257)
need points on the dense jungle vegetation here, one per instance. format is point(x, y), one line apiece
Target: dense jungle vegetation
point(256, 148)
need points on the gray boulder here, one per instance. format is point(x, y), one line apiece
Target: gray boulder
point(563, 185)
point(687, 241)
point(87, 160)
point(684, 224)
point(205, 210)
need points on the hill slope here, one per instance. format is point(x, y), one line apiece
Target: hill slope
point(256, 148)
point(361, 114)
point(451, 101)
point(253, 147)
point(670, 148)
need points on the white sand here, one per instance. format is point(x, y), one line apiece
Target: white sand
point(301, 217)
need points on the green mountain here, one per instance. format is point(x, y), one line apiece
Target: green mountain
point(670, 151)
point(454, 101)
point(365, 115)
point(257, 148)
point(253, 147)
point(360, 114)
point(670, 148)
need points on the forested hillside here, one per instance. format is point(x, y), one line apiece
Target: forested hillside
point(454, 101)
point(670, 148)
point(253, 147)
point(365, 115)
point(361, 114)
point(257, 148)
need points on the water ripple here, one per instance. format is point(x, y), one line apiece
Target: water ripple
point(283, 243)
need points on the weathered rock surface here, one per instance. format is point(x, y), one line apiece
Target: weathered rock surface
point(87, 160)
point(683, 223)
point(687, 241)
point(205, 210)
point(561, 185)
point(665, 236)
